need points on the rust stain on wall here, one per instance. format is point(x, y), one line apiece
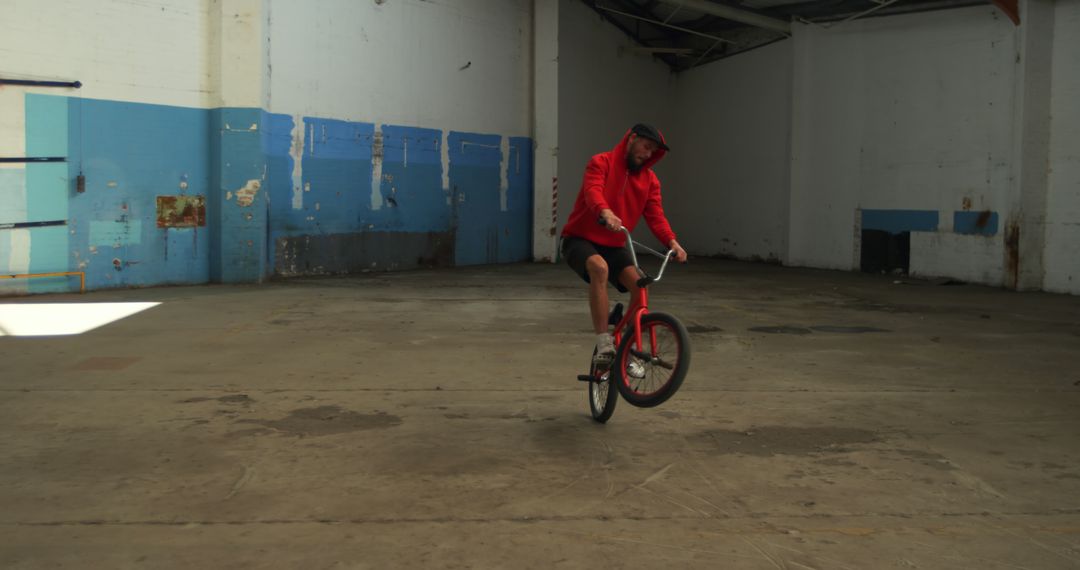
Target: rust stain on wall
point(181, 211)
point(983, 219)
point(1012, 253)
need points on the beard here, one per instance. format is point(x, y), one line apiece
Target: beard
point(631, 165)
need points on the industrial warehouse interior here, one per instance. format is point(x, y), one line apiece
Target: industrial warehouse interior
point(296, 284)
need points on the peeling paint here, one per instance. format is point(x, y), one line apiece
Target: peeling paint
point(444, 149)
point(246, 195)
point(376, 168)
point(296, 151)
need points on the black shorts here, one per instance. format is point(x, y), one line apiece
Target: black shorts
point(577, 250)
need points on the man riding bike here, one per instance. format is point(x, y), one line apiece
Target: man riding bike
point(619, 187)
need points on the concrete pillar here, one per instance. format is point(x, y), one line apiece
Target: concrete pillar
point(1025, 230)
point(545, 128)
point(238, 204)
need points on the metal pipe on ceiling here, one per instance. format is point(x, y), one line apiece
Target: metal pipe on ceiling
point(659, 23)
point(734, 14)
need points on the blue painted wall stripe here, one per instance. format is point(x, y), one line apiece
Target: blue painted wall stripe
point(131, 153)
point(898, 221)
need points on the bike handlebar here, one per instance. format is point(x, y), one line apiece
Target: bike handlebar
point(631, 244)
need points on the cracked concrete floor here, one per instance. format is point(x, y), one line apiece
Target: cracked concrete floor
point(432, 418)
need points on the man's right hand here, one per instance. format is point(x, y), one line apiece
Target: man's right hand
point(610, 220)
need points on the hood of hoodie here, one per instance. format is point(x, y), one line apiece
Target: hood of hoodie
point(620, 152)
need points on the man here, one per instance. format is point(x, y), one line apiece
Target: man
point(619, 187)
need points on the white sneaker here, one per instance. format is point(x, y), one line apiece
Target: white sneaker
point(635, 369)
point(605, 352)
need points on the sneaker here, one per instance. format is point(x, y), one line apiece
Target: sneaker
point(635, 369)
point(605, 352)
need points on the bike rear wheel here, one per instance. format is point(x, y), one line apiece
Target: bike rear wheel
point(602, 395)
point(649, 377)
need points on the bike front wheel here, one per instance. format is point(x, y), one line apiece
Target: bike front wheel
point(648, 377)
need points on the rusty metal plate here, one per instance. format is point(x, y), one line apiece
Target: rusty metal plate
point(181, 211)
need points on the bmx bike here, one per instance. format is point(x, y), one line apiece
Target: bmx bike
point(652, 353)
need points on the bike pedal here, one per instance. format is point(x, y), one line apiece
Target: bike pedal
point(584, 378)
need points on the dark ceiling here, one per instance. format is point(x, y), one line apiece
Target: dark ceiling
point(688, 33)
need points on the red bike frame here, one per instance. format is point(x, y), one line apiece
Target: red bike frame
point(639, 304)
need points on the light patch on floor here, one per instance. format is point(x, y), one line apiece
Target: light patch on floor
point(57, 319)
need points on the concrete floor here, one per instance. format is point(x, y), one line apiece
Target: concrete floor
point(433, 419)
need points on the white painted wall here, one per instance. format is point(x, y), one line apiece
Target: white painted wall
point(730, 173)
point(973, 259)
point(1062, 257)
point(602, 93)
point(152, 51)
point(905, 112)
point(400, 62)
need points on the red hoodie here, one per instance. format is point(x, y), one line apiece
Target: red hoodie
point(609, 184)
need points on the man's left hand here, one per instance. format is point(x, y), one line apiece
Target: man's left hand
point(680, 253)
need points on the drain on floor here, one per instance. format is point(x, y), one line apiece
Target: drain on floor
point(327, 420)
point(230, 399)
point(780, 330)
point(782, 440)
point(847, 330)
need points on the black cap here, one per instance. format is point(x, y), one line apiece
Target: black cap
point(649, 132)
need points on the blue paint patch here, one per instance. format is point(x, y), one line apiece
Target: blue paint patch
point(276, 142)
point(899, 221)
point(976, 223)
point(517, 222)
point(334, 182)
point(474, 182)
point(237, 200)
point(47, 186)
point(130, 153)
point(410, 188)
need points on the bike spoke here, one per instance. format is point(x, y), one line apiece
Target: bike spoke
point(657, 367)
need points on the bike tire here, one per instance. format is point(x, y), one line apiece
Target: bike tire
point(602, 395)
point(662, 381)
